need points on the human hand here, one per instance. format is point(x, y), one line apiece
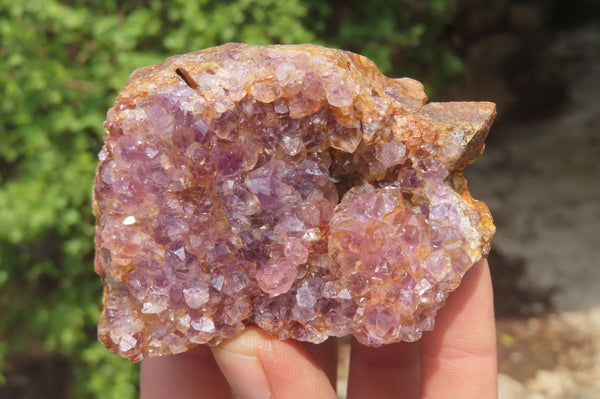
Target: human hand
point(456, 360)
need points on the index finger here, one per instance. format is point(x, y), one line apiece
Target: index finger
point(458, 358)
point(188, 375)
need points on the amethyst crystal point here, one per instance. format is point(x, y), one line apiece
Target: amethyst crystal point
point(294, 188)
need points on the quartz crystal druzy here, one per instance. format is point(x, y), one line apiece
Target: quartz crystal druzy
point(294, 188)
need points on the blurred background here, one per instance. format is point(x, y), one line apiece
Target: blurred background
point(63, 62)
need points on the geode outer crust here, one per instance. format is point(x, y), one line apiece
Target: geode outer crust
point(295, 188)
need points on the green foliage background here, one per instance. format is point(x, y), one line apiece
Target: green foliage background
point(61, 66)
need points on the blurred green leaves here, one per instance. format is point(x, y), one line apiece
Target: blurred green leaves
point(62, 64)
point(403, 37)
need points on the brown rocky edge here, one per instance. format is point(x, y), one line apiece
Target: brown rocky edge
point(295, 188)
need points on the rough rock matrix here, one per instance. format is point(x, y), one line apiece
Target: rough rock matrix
point(295, 188)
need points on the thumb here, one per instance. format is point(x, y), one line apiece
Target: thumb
point(259, 366)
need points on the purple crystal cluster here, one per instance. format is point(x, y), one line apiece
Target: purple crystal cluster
point(290, 187)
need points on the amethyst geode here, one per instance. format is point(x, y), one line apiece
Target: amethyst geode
point(294, 188)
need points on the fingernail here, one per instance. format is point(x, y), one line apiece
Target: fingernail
point(245, 374)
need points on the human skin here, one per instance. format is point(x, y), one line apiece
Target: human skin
point(455, 360)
